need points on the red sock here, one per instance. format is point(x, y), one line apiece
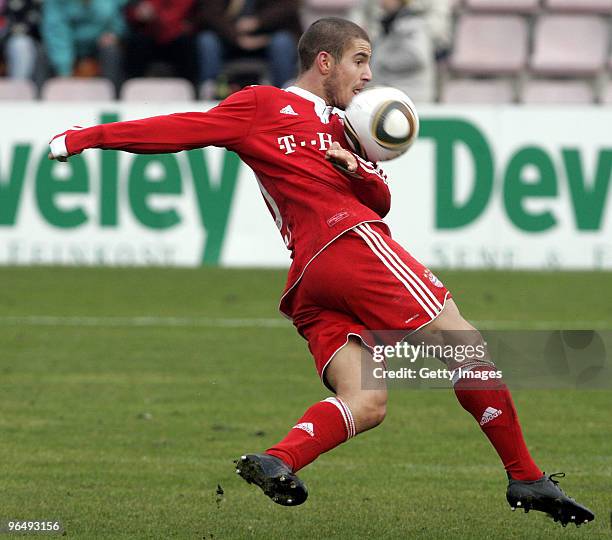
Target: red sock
point(323, 427)
point(490, 403)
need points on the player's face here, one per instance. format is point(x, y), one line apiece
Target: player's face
point(349, 75)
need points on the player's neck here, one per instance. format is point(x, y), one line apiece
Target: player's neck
point(312, 85)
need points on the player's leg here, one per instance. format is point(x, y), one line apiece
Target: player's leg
point(489, 401)
point(321, 428)
point(404, 295)
point(344, 374)
point(330, 422)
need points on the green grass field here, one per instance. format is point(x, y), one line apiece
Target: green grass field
point(125, 394)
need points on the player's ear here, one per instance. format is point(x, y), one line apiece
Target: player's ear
point(324, 62)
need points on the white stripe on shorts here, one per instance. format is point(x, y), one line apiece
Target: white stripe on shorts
point(418, 282)
point(347, 416)
point(431, 312)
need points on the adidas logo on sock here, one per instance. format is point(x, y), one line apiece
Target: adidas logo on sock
point(489, 414)
point(288, 110)
point(305, 426)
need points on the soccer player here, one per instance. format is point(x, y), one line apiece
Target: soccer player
point(348, 276)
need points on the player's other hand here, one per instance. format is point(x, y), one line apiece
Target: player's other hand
point(57, 146)
point(339, 156)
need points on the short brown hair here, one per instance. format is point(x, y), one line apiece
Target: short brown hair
point(332, 35)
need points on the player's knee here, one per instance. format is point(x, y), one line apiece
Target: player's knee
point(377, 414)
point(371, 411)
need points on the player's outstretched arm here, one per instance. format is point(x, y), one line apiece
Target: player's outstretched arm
point(226, 125)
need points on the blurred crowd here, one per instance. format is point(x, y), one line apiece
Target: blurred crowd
point(218, 45)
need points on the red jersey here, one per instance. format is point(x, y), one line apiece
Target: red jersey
point(283, 136)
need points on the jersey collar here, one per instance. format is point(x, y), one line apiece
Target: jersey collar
point(321, 108)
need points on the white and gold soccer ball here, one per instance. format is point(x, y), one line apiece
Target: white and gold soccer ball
point(381, 123)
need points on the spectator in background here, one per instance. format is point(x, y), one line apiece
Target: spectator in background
point(161, 31)
point(248, 28)
point(21, 42)
point(404, 53)
point(438, 14)
point(82, 37)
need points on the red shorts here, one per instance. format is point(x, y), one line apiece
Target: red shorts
point(363, 281)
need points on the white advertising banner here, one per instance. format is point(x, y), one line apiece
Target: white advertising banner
point(483, 187)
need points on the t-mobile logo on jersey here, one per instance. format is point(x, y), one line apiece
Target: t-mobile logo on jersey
point(288, 143)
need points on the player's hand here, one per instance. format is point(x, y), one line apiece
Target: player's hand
point(57, 146)
point(339, 156)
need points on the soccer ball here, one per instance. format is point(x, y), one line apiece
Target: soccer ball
point(381, 123)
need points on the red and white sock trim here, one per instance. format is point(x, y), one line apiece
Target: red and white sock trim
point(347, 415)
point(428, 301)
point(468, 366)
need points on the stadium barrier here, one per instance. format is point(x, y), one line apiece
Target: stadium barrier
point(503, 187)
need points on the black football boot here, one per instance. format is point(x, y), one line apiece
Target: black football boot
point(274, 477)
point(545, 495)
